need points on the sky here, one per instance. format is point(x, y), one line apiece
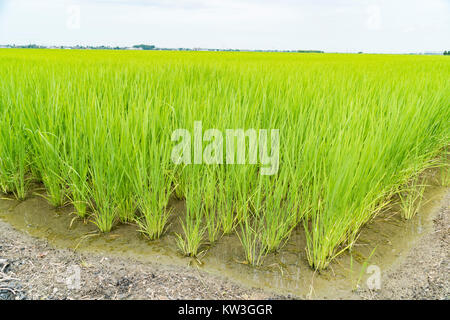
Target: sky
point(384, 26)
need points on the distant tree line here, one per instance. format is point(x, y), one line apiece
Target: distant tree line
point(447, 53)
point(310, 51)
point(144, 47)
point(148, 47)
point(28, 46)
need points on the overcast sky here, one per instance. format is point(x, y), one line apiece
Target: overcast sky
point(330, 25)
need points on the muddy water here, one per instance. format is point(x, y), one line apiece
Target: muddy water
point(285, 272)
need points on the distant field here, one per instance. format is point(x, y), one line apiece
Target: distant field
point(95, 128)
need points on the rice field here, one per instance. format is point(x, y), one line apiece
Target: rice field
point(95, 128)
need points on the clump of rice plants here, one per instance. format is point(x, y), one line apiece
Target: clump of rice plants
point(193, 236)
point(77, 161)
point(279, 215)
point(226, 202)
point(210, 205)
point(268, 219)
point(152, 188)
point(14, 163)
point(411, 198)
point(106, 174)
point(251, 239)
point(47, 159)
point(444, 169)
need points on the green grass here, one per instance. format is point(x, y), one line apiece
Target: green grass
point(95, 128)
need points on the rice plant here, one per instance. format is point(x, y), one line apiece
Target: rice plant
point(193, 236)
point(411, 198)
point(279, 215)
point(444, 169)
point(250, 236)
point(152, 181)
point(14, 162)
point(210, 205)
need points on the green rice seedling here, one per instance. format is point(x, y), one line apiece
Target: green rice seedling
point(153, 187)
point(280, 215)
point(225, 202)
point(77, 162)
point(252, 226)
point(45, 134)
point(105, 205)
point(126, 204)
point(148, 165)
point(193, 229)
point(13, 160)
point(126, 194)
point(106, 174)
point(152, 203)
point(210, 205)
point(50, 164)
point(14, 146)
point(445, 169)
point(179, 183)
point(233, 195)
point(251, 239)
point(241, 182)
point(411, 198)
point(127, 207)
point(80, 191)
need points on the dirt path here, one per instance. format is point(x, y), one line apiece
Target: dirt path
point(31, 268)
